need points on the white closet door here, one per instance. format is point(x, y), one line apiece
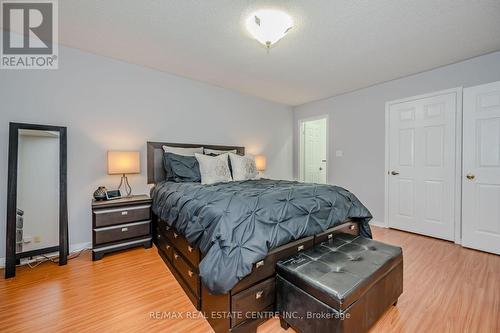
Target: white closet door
point(481, 168)
point(422, 161)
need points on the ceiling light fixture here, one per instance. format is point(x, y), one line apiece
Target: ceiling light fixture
point(268, 26)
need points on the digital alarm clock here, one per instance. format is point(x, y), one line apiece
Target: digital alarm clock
point(113, 194)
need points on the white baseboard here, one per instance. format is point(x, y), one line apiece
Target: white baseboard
point(379, 224)
point(80, 246)
point(72, 248)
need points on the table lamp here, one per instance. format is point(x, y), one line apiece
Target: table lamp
point(123, 163)
point(260, 163)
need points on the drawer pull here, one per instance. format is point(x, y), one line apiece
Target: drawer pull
point(352, 227)
point(190, 249)
point(330, 236)
point(120, 210)
point(300, 247)
point(175, 235)
point(124, 229)
point(158, 236)
point(259, 264)
point(259, 294)
point(176, 256)
point(128, 225)
point(167, 247)
point(124, 213)
point(190, 273)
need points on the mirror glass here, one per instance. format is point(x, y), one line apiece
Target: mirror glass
point(37, 218)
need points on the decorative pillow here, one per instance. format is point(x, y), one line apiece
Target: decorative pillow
point(218, 152)
point(184, 168)
point(214, 152)
point(243, 167)
point(178, 151)
point(214, 169)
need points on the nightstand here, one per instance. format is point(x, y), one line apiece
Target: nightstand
point(120, 224)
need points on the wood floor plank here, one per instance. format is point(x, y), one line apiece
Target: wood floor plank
point(447, 288)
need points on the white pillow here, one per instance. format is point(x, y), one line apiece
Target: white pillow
point(218, 152)
point(243, 167)
point(183, 151)
point(213, 169)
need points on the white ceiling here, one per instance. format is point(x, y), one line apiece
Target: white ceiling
point(336, 46)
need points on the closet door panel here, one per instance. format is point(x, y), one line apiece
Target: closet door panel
point(481, 168)
point(422, 164)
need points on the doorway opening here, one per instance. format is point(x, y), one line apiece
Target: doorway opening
point(313, 161)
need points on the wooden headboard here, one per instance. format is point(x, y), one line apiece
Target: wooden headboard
point(156, 173)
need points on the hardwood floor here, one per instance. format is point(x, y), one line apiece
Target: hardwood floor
point(446, 289)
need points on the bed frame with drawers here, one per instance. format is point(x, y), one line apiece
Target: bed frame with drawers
point(252, 300)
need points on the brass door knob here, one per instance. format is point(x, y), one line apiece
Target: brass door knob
point(470, 176)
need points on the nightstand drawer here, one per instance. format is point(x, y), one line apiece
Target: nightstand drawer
point(112, 216)
point(121, 232)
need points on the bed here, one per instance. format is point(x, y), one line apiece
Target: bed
point(222, 241)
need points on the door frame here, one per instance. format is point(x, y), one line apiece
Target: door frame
point(300, 154)
point(457, 212)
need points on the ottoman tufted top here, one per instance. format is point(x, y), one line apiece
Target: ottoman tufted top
point(339, 271)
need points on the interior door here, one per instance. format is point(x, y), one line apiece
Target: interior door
point(422, 163)
point(314, 151)
point(481, 168)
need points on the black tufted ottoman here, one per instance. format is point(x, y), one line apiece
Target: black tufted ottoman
point(342, 285)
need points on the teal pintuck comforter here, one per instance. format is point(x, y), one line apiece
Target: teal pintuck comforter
point(236, 224)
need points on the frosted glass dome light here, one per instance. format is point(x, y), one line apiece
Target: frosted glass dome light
point(268, 26)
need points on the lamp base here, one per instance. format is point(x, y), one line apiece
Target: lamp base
point(126, 186)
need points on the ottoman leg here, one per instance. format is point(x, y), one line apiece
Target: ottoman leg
point(284, 325)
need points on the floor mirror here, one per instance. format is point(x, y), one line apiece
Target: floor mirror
point(37, 211)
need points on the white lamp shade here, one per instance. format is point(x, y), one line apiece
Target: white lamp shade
point(123, 162)
point(260, 162)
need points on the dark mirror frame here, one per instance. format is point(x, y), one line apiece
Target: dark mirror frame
point(12, 258)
